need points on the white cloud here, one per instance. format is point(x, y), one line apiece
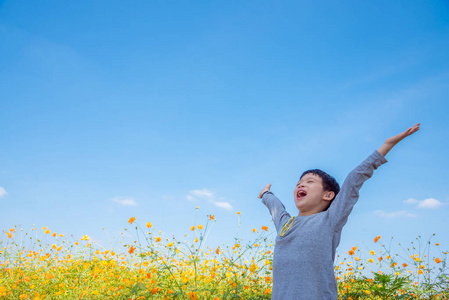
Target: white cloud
point(225, 205)
point(125, 201)
point(394, 214)
point(2, 192)
point(202, 193)
point(209, 196)
point(426, 203)
point(194, 195)
point(430, 203)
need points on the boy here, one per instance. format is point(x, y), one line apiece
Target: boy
point(303, 261)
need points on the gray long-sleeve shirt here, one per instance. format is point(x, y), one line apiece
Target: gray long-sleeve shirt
point(303, 260)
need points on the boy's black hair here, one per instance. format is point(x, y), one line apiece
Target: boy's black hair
point(329, 182)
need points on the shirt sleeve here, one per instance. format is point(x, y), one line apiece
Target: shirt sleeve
point(345, 200)
point(277, 210)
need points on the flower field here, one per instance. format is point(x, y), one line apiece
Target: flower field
point(46, 265)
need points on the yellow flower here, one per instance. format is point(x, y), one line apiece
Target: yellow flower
point(196, 240)
point(200, 226)
point(372, 252)
point(170, 244)
point(370, 260)
point(85, 238)
point(47, 231)
point(149, 225)
point(238, 213)
point(192, 228)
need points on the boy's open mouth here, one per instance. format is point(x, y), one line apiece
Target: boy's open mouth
point(301, 194)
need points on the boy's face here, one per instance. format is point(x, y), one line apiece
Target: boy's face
point(309, 193)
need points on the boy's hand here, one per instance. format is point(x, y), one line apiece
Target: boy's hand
point(391, 142)
point(266, 188)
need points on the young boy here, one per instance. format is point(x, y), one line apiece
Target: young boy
point(304, 254)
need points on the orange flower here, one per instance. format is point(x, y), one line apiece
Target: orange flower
point(211, 217)
point(404, 265)
point(376, 238)
point(254, 230)
point(158, 239)
point(265, 228)
point(217, 251)
point(131, 250)
point(380, 258)
point(131, 220)
point(351, 252)
point(437, 260)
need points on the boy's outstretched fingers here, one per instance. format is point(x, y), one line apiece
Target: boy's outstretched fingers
point(413, 129)
point(266, 188)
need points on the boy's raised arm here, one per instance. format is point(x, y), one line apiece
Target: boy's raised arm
point(344, 201)
point(277, 210)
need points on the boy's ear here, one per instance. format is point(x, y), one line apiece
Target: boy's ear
point(328, 195)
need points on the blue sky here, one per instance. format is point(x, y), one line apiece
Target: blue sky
point(149, 109)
